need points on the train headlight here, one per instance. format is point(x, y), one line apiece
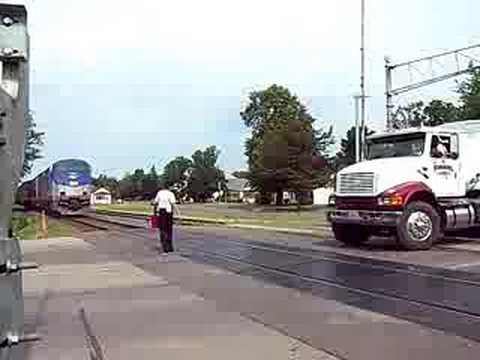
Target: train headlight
point(8, 21)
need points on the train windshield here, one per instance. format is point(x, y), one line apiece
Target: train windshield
point(396, 146)
point(72, 166)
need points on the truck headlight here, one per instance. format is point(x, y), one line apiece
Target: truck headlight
point(390, 200)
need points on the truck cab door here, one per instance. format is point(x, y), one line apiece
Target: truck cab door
point(446, 167)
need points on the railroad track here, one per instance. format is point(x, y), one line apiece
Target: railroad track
point(438, 298)
point(194, 220)
point(92, 223)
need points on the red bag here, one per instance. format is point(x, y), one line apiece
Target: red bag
point(155, 221)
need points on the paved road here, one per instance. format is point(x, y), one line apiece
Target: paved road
point(124, 287)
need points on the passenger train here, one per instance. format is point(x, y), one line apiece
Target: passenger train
point(64, 188)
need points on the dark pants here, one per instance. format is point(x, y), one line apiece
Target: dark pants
point(166, 225)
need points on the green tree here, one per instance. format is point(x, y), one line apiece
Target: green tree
point(150, 183)
point(205, 177)
point(469, 91)
point(346, 155)
point(270, 167)
point(176, 173)
point(138, 178)
point(271, 149)
point(440, 112)
point(33, 144)
point(435, 113)
point(109, 183)
point(302, 177)
point(410, 115)
point(126, 187)
point(323, 160)
point(132, 185)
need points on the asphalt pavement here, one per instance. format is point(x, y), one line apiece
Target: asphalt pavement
point(138, 304)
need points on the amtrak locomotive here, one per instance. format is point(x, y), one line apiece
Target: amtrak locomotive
point(64, 188)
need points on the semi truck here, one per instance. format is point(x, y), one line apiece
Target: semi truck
point(414, 185)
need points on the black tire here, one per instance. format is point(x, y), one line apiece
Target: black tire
point(428, 236)
point(350, 234)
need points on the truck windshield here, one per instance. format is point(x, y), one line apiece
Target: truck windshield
point(396, 146)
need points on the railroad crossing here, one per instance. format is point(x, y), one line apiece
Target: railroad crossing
point(247, 294)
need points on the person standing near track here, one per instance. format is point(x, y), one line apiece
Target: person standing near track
point(165, 205)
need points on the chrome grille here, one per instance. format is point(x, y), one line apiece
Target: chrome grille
point(360, 183)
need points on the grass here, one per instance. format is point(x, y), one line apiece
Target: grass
point(28, 227)
point(308, 218)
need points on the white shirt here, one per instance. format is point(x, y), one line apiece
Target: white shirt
point(164, 200)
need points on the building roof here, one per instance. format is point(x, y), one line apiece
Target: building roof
point(101, 191)
point(237, 184)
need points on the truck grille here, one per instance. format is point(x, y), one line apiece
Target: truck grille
point(360, 183)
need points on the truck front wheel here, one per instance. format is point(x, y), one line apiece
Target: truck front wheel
point(419, 226)
point(350, 234)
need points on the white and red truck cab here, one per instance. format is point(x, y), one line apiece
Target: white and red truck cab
point(415, 184)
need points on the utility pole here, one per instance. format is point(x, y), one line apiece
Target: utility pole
point(388, 92)
point(357, 127)
point(362, 79)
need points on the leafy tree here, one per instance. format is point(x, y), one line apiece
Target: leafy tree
point(150, 183)
point(409, 115)
point(33, 144)
point(269, 170)
point(132, 185)
point(126, 187)
point(435, 113)
point(271, 149)
point(138, 178)
point(346, 155)
point(302, 177)
point(176, 173)
point(439, 112)
point(109, 183)
point(205, 178)
point(323, 160)
point(469, 91)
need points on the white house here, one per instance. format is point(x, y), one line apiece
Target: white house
point(321, 195)
point(101, 196)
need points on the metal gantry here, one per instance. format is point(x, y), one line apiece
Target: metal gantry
point(451, 63)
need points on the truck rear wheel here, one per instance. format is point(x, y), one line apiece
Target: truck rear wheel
point(350, 234)
point(419, 226)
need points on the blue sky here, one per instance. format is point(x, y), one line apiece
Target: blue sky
point(128, 86)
